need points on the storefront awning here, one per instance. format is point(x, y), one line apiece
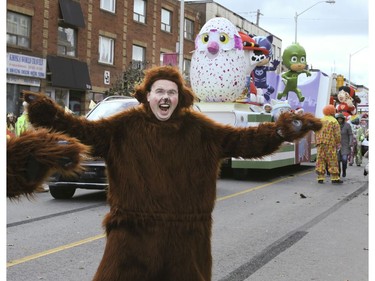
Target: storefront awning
point(69, 73)
point(72, 13)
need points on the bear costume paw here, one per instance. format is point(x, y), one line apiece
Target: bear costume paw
point(35, 155)
point(292, 126)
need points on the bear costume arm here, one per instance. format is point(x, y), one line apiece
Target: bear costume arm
point(251, 142)
point(35, 155)
point(44, 112)
point(255, 142)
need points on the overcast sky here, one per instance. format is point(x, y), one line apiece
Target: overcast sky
point(328, 32)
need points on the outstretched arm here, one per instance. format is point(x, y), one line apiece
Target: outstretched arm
point(35, 155)
point(44, 112)
point(256, 142)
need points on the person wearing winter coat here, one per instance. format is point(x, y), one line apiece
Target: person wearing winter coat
point(346, 143)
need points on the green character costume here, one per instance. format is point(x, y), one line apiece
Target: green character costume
point(294, 58)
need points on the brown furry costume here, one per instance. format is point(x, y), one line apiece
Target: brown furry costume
point(35, 155)
point(162, 177)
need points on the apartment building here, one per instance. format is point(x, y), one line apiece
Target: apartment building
point(73, 51)
point(208, 9)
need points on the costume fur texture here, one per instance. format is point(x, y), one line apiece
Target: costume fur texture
point(35, 155)
point(162, 178)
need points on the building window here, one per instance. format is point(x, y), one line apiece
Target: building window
point(106, 49)
point(166, 17)
point(139, 14)
point(189, 29)
point(66, 45)
point(139, 57)
point(108, 5)
point(62, 97)
point(18, 30)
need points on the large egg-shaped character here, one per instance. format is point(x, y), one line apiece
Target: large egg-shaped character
point(218, 66)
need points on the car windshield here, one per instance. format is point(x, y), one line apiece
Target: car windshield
point(108, 108)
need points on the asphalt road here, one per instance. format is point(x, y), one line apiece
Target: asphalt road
point(276, 225)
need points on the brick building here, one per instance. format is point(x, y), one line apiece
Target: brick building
point(74, 50)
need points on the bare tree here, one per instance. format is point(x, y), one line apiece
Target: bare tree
point(126, 81)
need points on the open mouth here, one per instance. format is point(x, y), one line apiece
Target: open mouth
point(164, 106)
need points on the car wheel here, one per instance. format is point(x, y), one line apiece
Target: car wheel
point(59, 192)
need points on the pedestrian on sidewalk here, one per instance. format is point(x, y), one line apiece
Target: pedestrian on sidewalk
point(11, 125)
point(327, 142)
point(23, 125)
point(359, 133)
point(346, 143)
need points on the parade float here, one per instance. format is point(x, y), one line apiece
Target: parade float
point(221, 76)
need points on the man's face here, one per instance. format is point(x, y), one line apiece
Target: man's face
point(163, 99)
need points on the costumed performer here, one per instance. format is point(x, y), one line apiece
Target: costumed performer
point(328, 141)
point(163, 160)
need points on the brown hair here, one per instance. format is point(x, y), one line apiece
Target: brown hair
point(186, 96)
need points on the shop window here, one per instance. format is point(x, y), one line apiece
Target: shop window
point(61, 97)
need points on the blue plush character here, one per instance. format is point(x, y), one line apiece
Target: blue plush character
point(259, 74)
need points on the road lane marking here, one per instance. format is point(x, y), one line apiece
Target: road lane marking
point(247, 269)
point(100, 236)
point(54, 250)
point(251, 189)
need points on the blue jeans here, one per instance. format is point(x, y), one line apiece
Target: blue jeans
point(343, 163)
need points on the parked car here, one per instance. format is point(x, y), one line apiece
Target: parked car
point(94, 176)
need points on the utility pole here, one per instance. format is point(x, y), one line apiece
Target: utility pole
point(181, 37)
point(258, 16)
point(350, 62)
point(297, 15)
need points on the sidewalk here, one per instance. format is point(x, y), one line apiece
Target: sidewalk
point(335, 244)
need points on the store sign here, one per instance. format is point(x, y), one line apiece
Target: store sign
point(22, 65)
point(11, 79)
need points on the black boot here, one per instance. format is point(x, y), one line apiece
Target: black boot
point(337, 181)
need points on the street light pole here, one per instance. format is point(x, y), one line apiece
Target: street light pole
point(181, 39)
point(350, 61)
point(297, 15)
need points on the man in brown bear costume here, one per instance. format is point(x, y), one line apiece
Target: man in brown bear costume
point(35, 155)
point(163, 160)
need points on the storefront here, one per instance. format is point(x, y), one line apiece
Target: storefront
point(67, 83)
point(23, 73)
point(64, 80)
